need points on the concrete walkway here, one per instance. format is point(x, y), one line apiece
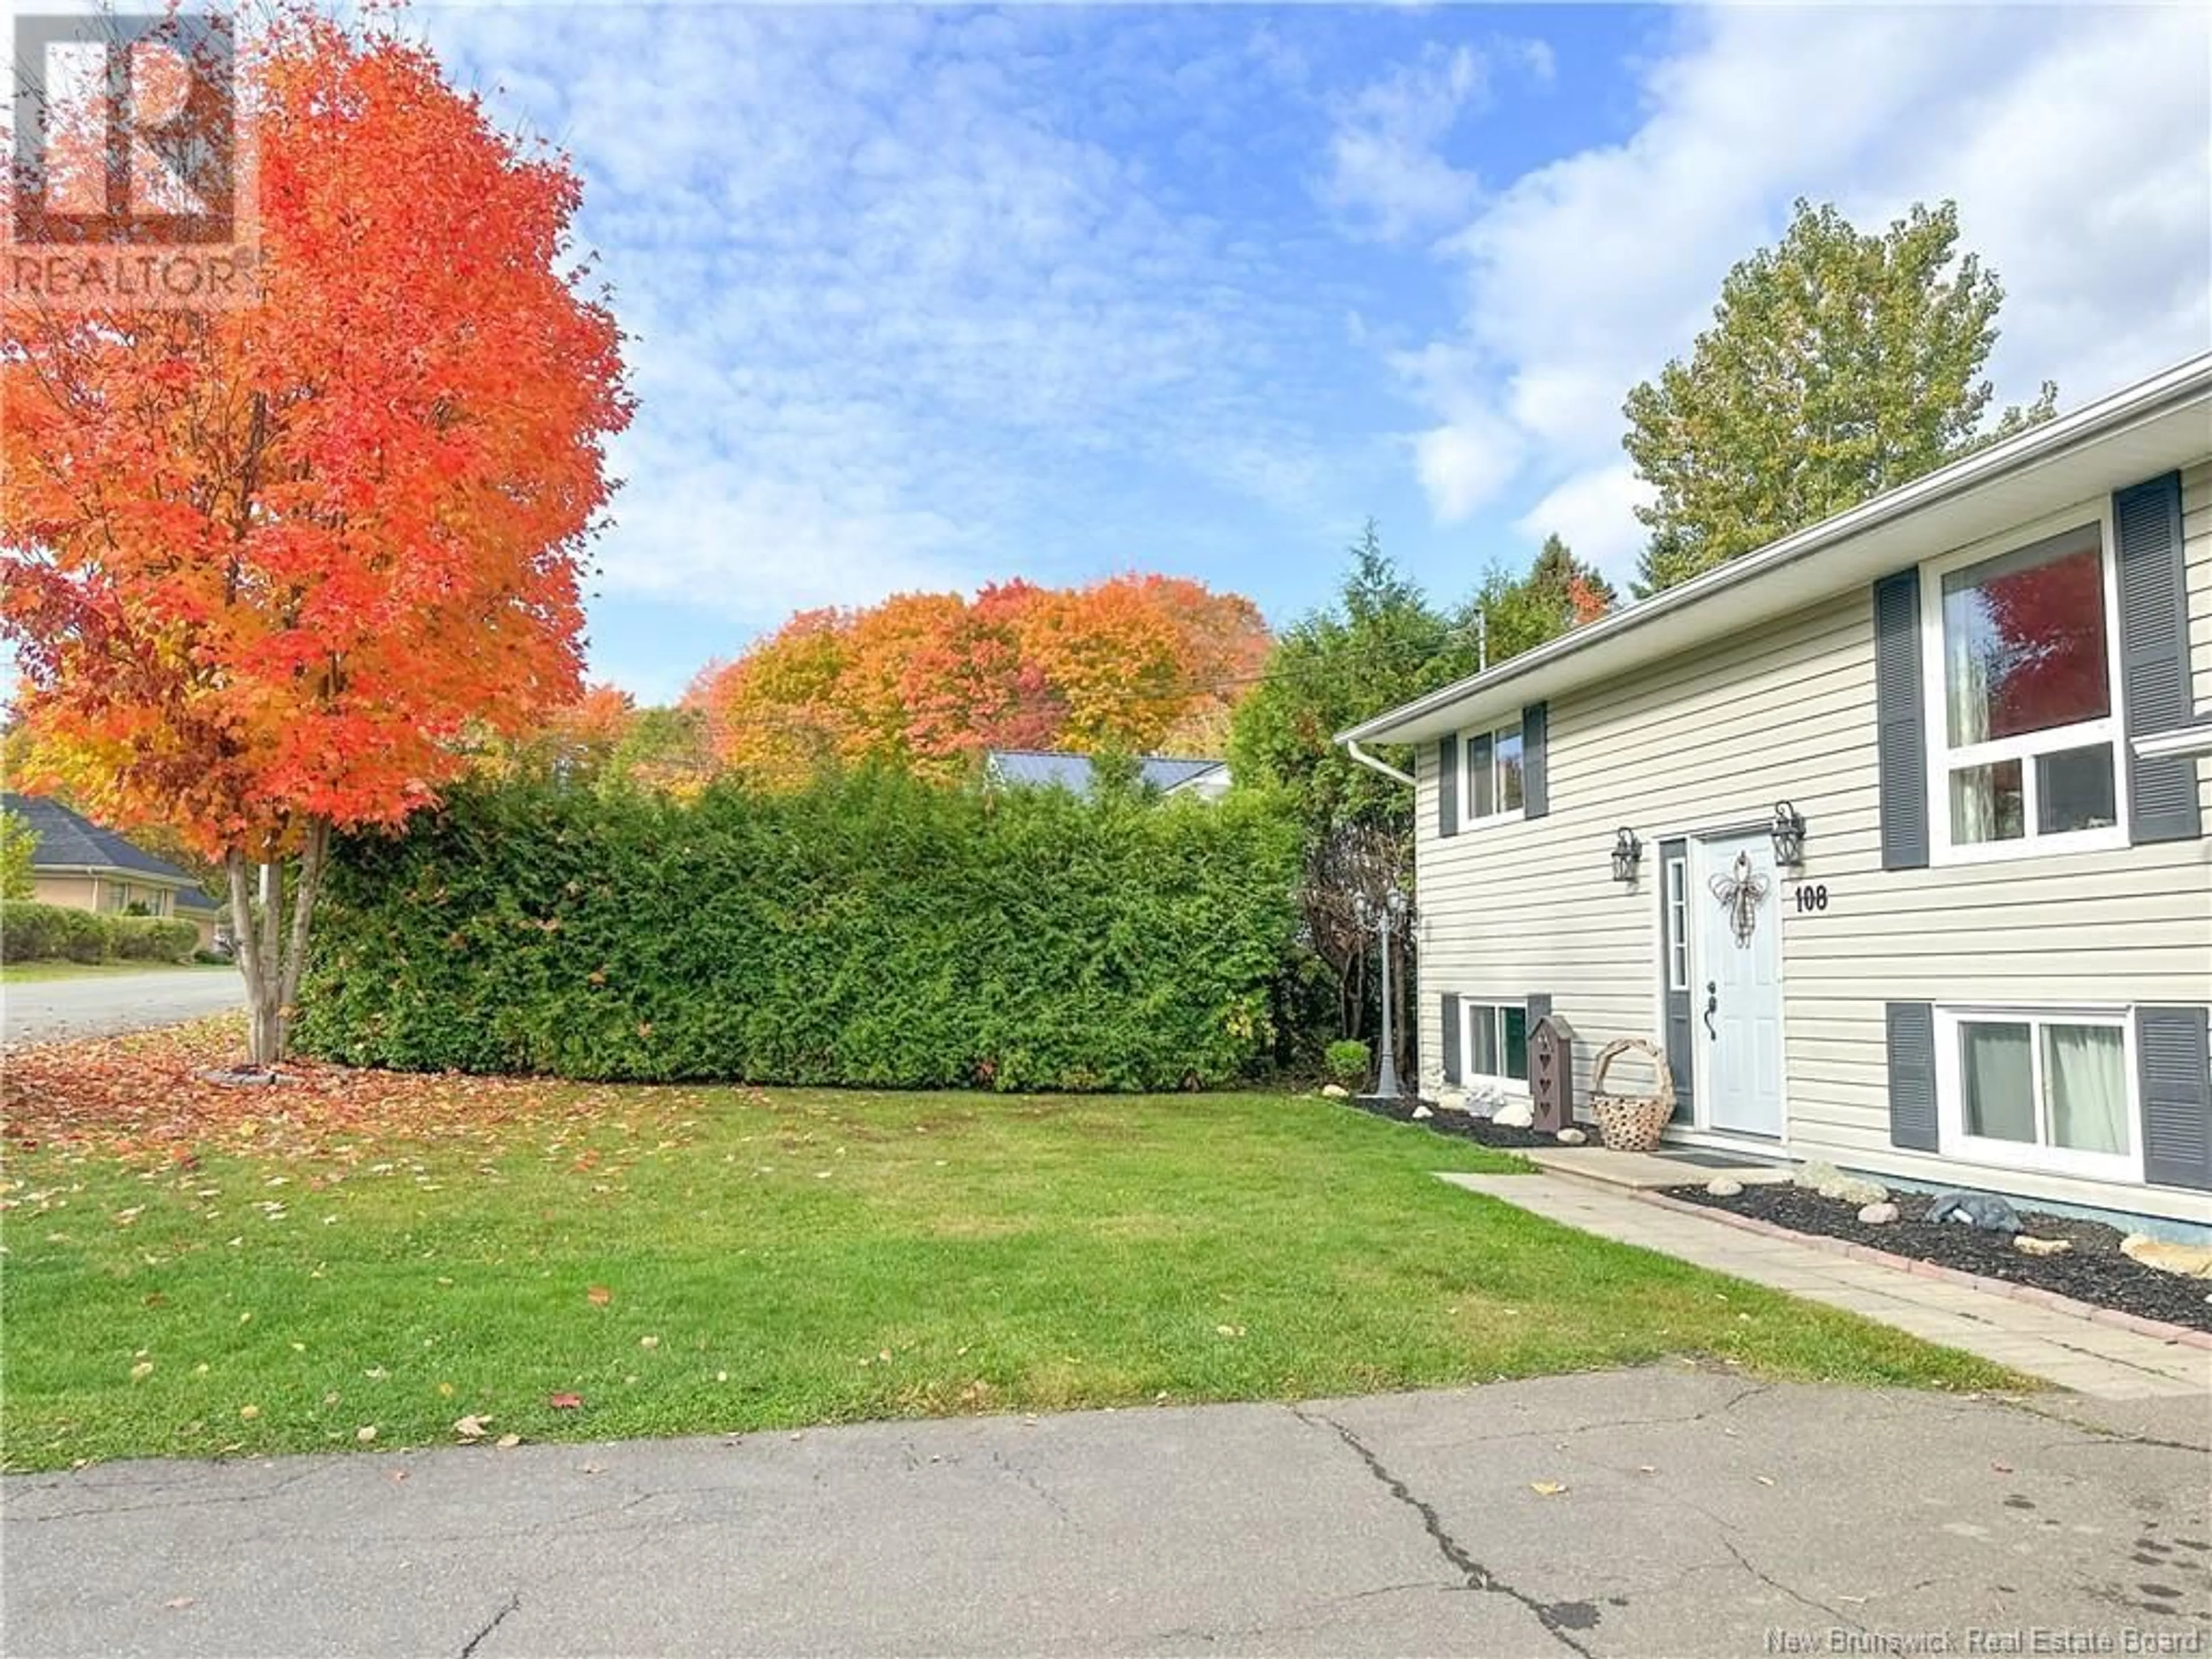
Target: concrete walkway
point(1665, 1511)
point(2095, 1359)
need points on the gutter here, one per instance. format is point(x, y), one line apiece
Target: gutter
point(1373, 764)
point(2178, 386)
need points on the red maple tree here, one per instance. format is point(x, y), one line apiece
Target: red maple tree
point(265, 567)
point(930, 681)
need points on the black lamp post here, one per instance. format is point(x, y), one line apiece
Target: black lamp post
point(1385, 918)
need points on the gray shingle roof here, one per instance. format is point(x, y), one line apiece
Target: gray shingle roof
point(1051, 768)
point(69, 841)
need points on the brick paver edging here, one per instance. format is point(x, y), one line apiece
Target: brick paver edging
point(2029, 1293)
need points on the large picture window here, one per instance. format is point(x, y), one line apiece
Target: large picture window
point(1496, 1043)
point(2039, 1089)
point(2026, 742)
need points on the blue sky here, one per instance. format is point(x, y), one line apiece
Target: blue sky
point(926, 298)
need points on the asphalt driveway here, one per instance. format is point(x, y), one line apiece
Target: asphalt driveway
point(48, 1011)
point(1695, 1513)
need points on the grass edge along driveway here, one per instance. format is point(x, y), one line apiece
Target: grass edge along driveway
point(562, 1263)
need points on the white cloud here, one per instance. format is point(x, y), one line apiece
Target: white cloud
point(2076, 142)
point(1387, 177)
point(1595, 514)
point(895, 306)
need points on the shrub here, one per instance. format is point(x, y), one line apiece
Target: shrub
point(30, 932)
point(871, 931)
point(82, 936)
point(1347, 1061)
point(211, 959)
point(151, 939)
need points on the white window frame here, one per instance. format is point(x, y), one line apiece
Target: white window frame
point(1675, 922)
point(1467, 813)
point(1943, 759)
point(1471, 1078)
point(2042, 1157)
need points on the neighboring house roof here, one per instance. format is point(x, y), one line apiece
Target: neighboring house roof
point(1046, 769)
point(69, 841)
point(2146, 429)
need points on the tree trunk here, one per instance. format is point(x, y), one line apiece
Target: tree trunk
point(272, 956)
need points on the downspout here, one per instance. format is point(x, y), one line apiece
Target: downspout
point(1375, 764)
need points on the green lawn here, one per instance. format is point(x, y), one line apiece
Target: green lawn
point(21, 973)
point(719, 1259)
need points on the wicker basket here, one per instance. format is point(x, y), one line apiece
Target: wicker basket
point(1631, 1123)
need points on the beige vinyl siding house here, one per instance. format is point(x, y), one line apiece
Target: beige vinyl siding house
point(1978, 1009)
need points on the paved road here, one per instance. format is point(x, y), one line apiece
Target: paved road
point(1701, 1515)
point(47, 1010)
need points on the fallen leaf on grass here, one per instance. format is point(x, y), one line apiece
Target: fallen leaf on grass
point(365, 1433)
point(565, 1402)
point(649, 1342)
point(598, 1296)
point(249, 1412)
point(471, 1427)
point(1546, 1488)
point(142, 1371)
point(508, 1442)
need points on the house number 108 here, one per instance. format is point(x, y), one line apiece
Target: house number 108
point(1812, 896)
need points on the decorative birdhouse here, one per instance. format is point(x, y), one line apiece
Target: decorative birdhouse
point(1552, 1073)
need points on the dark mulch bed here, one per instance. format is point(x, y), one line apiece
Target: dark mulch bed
point(2093, 1271)
point(1464, 1126)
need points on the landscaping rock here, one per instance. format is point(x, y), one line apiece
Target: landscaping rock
point(1335, 1091)
point(1825, 1179)
point(2028, 1246)
point(1985, 1211)
point(1851, 1189)
point(1452, 1100)
point(1422, 1114)
point(1514, 1115)
point(1572, 1137)
point(1724, 1186)
point(1878, 1214)
point(2191, 1260)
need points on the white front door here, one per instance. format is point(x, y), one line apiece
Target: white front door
point(1737, 984)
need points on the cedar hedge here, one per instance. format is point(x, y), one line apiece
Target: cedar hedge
point(30, 932)
point(872, 931)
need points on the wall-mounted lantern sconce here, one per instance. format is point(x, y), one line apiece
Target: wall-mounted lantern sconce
point(1789, 832)
point(1627, 850)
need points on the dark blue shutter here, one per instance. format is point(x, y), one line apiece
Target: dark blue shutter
point(1483, 776)
point(1535, 756)
point(2173, 1067)
point(1681, 1036)
point(1451, 1039)
point(1447, 785)
point(1900, 721)
point(1912, 1075)
point(2155, 690)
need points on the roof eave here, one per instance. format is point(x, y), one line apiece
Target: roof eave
point(2174, 388)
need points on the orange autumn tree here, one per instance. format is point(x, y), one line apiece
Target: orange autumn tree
point(264, 567)
point(929, 681)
